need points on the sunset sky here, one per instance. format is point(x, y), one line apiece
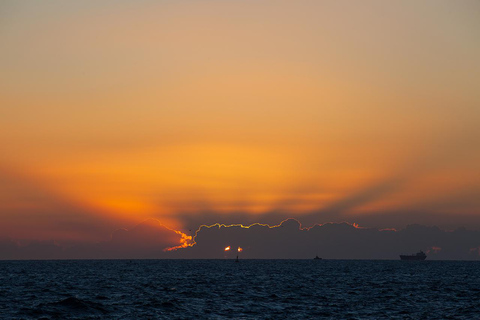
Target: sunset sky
point(114, 112)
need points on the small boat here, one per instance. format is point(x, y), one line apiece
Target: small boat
point(419, 256)
point(236, 260)
point(317, 258)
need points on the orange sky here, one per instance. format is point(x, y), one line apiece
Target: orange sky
point(117, 112)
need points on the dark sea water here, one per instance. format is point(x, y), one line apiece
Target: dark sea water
point(259, 289)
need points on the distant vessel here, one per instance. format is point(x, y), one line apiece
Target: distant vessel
point(317, 258)
point(236, 260)
point(417, 257)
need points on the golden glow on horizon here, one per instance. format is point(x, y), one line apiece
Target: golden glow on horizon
point(185, 241)
point(227, 248)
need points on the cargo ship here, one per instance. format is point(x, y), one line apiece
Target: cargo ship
point(416, 257)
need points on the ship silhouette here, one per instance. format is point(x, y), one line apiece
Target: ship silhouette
point(416, 257)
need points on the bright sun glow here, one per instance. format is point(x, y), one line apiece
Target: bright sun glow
point(227, 248)
point(240, 249)
point(330, 118)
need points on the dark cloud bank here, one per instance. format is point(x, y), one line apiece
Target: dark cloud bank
point(288, 240)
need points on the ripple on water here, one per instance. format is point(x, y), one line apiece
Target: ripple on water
point(294, 289)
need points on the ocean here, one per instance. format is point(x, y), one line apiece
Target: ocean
point(250, 289)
